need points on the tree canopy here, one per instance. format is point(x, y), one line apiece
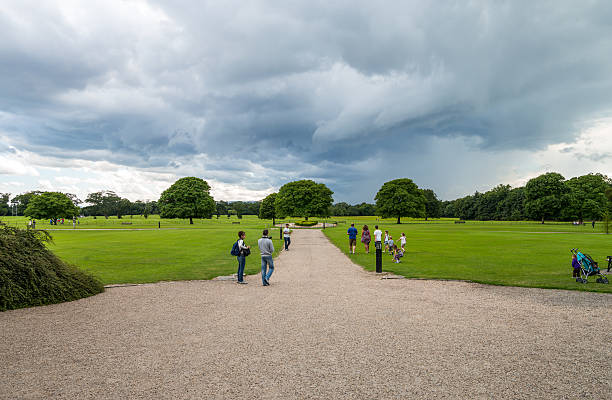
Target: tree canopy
point(545, 196)
point(400, 198)
point(304, 198)
point(187, 198)
point(104, 203)
point(4, 207)
point(51, 205)
point(433, 206)
point(586, 198)
point(267, 209)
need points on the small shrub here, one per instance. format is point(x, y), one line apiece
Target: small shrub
point(31, 275)
point(306, 223)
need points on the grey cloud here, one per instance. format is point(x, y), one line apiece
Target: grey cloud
point(328, 83)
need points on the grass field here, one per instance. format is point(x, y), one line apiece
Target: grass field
point(498, 253)
point(178, 251)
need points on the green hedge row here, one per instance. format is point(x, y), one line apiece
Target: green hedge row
point(31, 275)
point(306, 223)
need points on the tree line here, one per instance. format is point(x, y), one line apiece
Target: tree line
point(547, 197)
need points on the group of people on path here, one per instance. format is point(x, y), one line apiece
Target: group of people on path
point(266, 249)
point(390, 246)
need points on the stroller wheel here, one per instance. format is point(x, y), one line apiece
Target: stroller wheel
point(579, 280)
point(604, 280)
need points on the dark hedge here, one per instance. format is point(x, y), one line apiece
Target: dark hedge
point(31, 275)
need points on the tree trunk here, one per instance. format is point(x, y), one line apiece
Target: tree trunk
point(273, 221)
point(426, 218)
point(190, 220)
point(398, 219)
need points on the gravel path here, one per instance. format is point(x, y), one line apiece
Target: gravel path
point(324, 329)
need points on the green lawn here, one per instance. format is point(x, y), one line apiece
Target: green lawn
point(133, 256)
point(502, 253)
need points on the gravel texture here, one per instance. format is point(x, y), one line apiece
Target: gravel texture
point(324, 329)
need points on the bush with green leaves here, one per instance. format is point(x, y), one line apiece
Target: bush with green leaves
point(31, 275)
point(306, 223)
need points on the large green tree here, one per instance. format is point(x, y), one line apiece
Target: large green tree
point(586, 198)
point(400, 198)
point(267, 209)
point(51, 205)
point(545, 196)
point(104, 203)
point(187, 198)
point(511, 207)
point(22, 200)
point(303, 198)
point(4, 204)
point(433, 206)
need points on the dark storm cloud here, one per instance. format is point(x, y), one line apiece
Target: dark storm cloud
point(331, 84)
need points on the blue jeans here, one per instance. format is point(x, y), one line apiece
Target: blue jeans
point(265, 262)
point(241, 263)
point(287, 242)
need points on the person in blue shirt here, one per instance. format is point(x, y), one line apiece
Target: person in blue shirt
point(352, 234)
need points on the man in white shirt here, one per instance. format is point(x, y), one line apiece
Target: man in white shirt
point(287, 236)
point(377, 237)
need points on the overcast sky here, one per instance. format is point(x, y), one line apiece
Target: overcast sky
point(457, 95)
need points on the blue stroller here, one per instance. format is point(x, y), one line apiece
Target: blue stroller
point(588, 267)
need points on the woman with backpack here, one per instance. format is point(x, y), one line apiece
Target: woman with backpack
point(243, 251)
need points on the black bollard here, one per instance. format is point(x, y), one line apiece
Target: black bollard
point(280, 232)
point(378, 257)
point(159, 225)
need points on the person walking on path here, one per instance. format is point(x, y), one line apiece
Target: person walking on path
point(352, 234)
point(266, 248)
point(242, 248)
point(365, 238)
point(287, 236)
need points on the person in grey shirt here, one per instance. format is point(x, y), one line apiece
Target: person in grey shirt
point(266, 248)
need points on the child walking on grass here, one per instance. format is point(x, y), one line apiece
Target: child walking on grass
point(403, 241)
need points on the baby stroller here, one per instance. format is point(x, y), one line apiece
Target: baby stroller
point(588, 267)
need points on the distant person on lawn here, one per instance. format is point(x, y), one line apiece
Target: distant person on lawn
point(366, 238)
point(266, 248)
point(352, 234)
point(287, 236)
point(242, 247)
